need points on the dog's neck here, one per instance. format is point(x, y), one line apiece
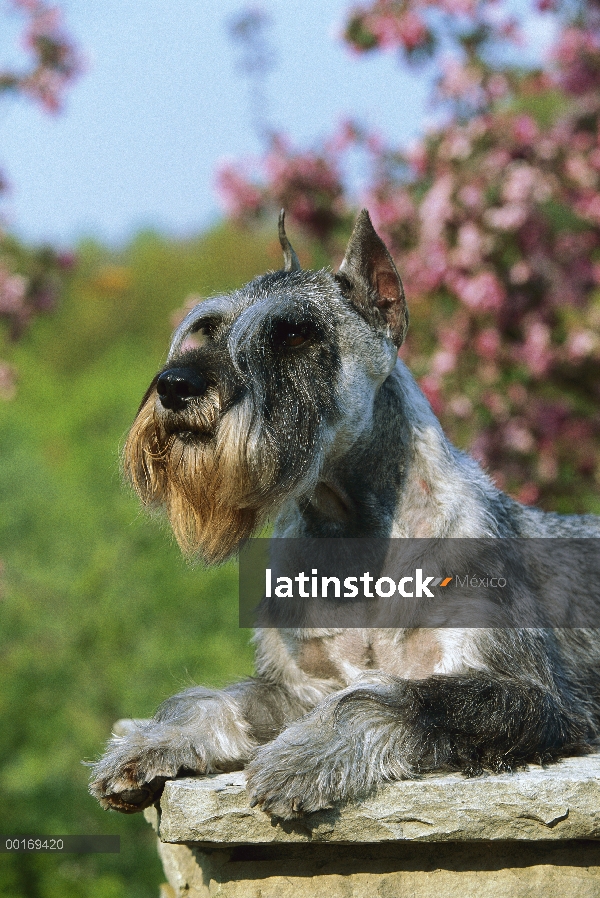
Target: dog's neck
point(402, 477)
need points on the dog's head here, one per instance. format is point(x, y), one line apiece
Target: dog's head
point(260, 387)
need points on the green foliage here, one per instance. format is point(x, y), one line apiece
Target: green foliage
point(100, 617)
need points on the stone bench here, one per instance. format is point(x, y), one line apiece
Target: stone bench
point(530, 833)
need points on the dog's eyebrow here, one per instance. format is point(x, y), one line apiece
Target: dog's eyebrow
point(209, 309)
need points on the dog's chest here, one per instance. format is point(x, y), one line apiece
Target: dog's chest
point(344, 656)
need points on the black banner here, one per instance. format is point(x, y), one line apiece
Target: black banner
point(341, 583)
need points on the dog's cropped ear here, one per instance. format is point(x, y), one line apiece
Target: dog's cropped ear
point(374, 285)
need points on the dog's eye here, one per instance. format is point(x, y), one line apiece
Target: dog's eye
point(290, 335)
point(294, 339)
point(206, 327)
point(202, 333)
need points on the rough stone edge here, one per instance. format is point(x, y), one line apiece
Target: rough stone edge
point(558, 802)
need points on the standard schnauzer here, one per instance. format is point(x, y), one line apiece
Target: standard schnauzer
point(292, 403)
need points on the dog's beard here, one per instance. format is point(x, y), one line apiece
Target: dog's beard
point(215, 478)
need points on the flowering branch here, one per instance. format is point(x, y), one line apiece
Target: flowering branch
point(30, 279)
point(494, 218)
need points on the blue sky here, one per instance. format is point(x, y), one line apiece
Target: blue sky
point(161, 102)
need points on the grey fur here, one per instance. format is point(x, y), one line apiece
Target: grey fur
point(306, 365)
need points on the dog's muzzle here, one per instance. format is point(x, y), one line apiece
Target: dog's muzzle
point(176, 386)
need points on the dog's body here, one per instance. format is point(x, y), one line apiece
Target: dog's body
point(295, 404)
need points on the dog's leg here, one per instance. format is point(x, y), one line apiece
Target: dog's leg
point(196, 732)
point(388, 728)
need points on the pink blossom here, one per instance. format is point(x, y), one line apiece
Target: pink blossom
point(45, 21)
point(392, 27)
point(518, 394)
point(497, 86)
point(547, 149)
point(239, 196)
point(471, 247)
point(13, 288)
point(345, 137)
point(588, 206)
point(519, 183)
point(416, 157)
point(517, 436)
point(509, 29)
point(66, 260)
point(443, 362)
point(575, 53)
point(594, 158)
point(461, 81)
point(536, 352)
point(572, 43)
point(525, 129)
point(483, 292)
point(496, 404)
point(520, 272)
point(390, 208)
point(547, 465)
point(45, 86)
point(412, 30)
point(383, 26)
point(487, 343)
point(432, 388)
point(456, 145)
point(424, 271)
point(436, 209)
point(529, 494)
point(494, 163)
point(580, 172)
point(471, 196)
point(28, 6)
point(581, 344)
point(453, 338)
point(459, 7)
point(374, 143)
point(54, 61)
point(461, 406)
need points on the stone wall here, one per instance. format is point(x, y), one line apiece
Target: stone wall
point(530, 833)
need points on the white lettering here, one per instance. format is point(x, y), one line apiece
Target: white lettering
point(421, 585)
point(325, 581)
point(367, 579)
point(390, 584)
point(302, 580)
point(350, 587)
point(286, 590)
point(407, 595)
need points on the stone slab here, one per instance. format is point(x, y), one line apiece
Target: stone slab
point(555, 803)
point(387, 870)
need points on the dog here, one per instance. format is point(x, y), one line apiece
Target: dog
point(286, 399)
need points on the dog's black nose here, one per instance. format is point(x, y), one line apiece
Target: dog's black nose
point(177, 385)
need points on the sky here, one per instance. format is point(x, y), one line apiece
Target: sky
point(162, 102)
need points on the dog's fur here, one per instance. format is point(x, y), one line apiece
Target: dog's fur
point(295, 405)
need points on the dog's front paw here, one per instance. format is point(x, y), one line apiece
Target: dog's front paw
point(284, 782)
point(132, 774)
point(127, 790)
